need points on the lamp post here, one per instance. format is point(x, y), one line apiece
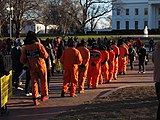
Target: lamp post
point(10, 9)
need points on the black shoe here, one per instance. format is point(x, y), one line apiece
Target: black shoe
point(63, 93)
point(124, 73)
point(115, 78)
point(119, 73)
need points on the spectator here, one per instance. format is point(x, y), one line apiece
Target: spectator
point(142, 58)
point(17, 66)
point(151, 45)
point(131, 54)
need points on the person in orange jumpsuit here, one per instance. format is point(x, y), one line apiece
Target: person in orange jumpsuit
point(94, 67)
point(104, 64)
point(111, 63)
point(122, 59)
point(116, 51)
point(83, 68)
point(71, 59)
point(35, 54)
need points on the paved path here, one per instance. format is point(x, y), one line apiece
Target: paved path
point(21, 107)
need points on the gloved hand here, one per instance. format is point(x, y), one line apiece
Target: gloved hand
point(82, 66)
point(102, 63)
point(93, 64)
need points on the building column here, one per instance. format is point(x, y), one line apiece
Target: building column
point(150, 18)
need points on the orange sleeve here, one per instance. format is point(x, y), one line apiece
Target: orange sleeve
point(43, 52)
point(79, 58)
point(111, 56)
point(86, 58)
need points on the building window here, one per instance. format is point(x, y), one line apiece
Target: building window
point(118, 25)
point(136, 11)
point(127, 25)
point(145, 24)
point(158, 24)
point(145, 11)
point(136, 25)
point(127, 11)
point(118, 11)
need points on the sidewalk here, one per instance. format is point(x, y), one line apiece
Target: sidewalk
point(21, 106)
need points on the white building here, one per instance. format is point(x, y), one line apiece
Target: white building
point(38, 28)
point(136, 14)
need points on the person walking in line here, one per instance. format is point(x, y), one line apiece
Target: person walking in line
point(35, 54)
point(104, 64)
point(83, 68)
point(94, 67)
point(71, 59)
point(111, 63)
point(156, 59)
point(142, 57)
point(116, 51)
point(122, 59)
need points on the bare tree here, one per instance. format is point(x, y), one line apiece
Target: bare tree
point(94, 9)
point(25, 11)
point(3, 14)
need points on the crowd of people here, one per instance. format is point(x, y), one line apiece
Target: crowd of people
point(91, 62)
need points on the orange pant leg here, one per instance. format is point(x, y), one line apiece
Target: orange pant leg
point(70, 77)
point(82, 78)
point(74, 80)
point(44, 84)
point(66, 79)
point(115, 68)
point(34, 87)
point(105, 72)
point(124, 65)
point(95, 77)
point(111, 68)
point(89, 75)
point(100, 79)
point(120, 65)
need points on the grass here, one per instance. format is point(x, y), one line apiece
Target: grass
point(133, 103)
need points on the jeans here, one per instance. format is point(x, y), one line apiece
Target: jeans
point(157, 86)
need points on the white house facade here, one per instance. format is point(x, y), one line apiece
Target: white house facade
point(136, 14)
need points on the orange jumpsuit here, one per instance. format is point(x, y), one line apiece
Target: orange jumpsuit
point(71, 59)
point(127, 59)
point(111, 64)
point(83, 70)
point(104, 66)
point(122, 59)
point(35, 54)
point(116, 51)
point(94, 68)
